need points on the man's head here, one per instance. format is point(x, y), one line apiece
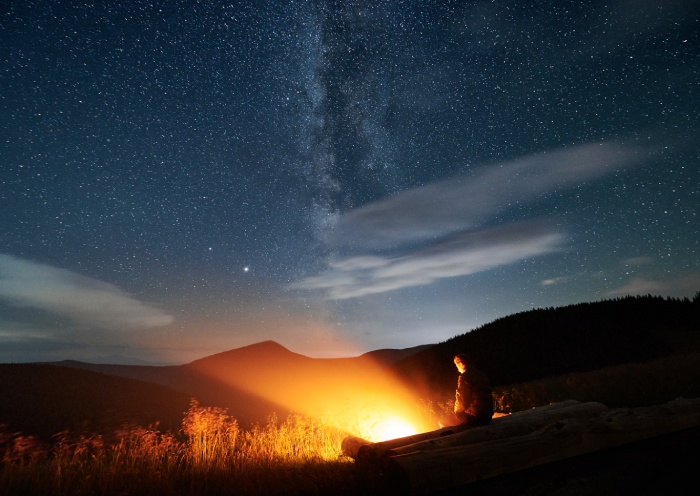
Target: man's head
point(462, 361)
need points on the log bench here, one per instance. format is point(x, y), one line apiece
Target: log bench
point(435, 461)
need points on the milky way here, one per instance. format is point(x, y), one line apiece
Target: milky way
point(181, 178)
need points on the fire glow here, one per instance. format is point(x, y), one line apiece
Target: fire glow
point(357, 395)
point(388, 427)
point(378, 417)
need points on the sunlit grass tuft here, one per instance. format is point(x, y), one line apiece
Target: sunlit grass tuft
point(211, 456)
point(211, 435)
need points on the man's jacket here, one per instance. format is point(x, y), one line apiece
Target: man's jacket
point(474, 394)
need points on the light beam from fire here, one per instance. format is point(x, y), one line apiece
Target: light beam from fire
point(355, 394)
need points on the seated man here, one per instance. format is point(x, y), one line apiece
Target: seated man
point(473, 402)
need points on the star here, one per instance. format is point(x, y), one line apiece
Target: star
point(411, 186)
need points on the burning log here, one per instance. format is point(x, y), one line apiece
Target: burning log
point(434, 470)
point(506, 427)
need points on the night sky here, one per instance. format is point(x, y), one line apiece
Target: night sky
point(180, 178)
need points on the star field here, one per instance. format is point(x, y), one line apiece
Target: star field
point(180, 178)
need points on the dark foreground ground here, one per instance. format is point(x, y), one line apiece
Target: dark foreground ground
point(656, 466)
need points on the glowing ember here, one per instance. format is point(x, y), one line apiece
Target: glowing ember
point(389, 427)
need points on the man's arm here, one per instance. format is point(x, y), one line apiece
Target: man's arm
point(464, 394)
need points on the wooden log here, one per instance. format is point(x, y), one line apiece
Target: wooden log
point(375, 450)
point(540, 409)
point(505, 427)
point(351, 445)
point(428, 471)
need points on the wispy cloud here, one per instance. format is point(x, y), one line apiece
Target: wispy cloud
point(684, 286)
point(14, 331)
point(555, 280)
point(467, 201)
point(466, 253)
point(87, 301)
point(450, 215)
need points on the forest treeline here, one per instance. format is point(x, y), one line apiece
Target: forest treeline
point(547, 342)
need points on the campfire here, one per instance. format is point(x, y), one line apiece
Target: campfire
point(384, 427)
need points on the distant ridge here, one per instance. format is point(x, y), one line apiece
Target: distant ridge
point(389, 356)
point(266, 350)
point(259, 379)
point(262, 350)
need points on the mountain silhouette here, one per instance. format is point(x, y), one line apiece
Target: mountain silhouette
point(254, 381)
point(298, 383)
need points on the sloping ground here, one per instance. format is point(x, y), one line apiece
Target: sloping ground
point(43, 400)
point(247, 407)
point(629, 385)
point(218, 380)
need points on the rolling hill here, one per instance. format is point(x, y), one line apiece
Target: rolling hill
point(252, 382)
point(553, 341)
point(43, 400)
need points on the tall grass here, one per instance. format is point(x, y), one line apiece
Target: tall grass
point(211, 455)
point(212, 436)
